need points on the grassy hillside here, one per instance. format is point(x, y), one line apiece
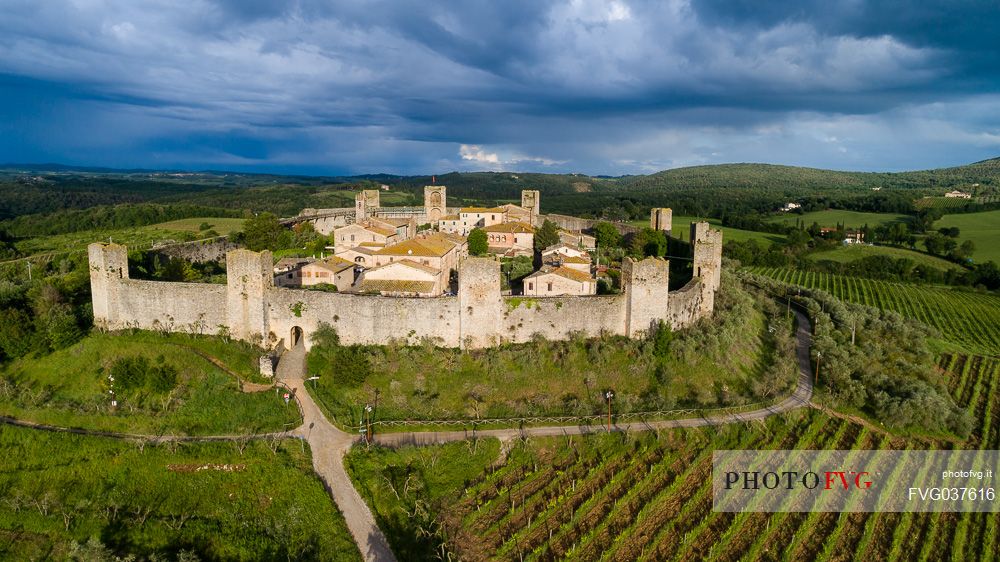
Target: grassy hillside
point(833, 217)
point(850, 253)
point(733, 360)
point(70, 387)
point(682, 230)
point(223, 226)
point(982, 228)
point(70, 497)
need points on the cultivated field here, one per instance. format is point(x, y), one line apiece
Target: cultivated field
point(223, 226)
point(682, 230)
point(966, 318)
point(648, 497)
point(833, 217)
point(854, 252)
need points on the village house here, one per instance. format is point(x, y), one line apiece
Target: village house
point(287, 264)
point(511, 239)
point(330, 271)
point(578, 240)
point(854, 237)
point(956, 194)
point(472, 217)
point(563, 250)
point(403, 278)
point(517, 213)
point(362, 255)
point(553, 281)
point(790, 207)
point(378, 231)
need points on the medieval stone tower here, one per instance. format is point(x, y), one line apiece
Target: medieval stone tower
point(365, 203)
point(706, 244)
point(531, 199)
point(661, 219)
point(108, 265)
point(249, 276)
point(645, 284)
point(479, 301)
point(435, 202)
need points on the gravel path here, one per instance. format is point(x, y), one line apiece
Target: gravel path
point(329, 445)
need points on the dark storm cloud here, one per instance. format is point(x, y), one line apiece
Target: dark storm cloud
point(578, 85)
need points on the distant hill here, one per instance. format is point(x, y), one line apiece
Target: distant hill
point(715, 190)
point(756, 176)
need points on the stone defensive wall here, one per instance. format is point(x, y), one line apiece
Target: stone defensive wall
point(249, 307)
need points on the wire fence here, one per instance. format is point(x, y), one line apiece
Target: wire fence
point(595, 419)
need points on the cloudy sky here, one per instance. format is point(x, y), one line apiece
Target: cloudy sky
point(406, 86)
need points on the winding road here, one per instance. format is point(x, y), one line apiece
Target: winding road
point(329, 444)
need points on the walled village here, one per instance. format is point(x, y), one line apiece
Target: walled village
point(388, 279)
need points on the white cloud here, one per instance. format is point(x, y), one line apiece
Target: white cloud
point(476, 154)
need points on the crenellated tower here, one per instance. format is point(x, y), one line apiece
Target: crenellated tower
point(108, 266)
point(249, 275)
point(645, 284)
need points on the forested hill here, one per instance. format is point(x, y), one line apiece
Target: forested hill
point(704, 190)
point(756, 176)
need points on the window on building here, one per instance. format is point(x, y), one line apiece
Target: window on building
point(550, 285)
point(531, 286)
point(352, 238)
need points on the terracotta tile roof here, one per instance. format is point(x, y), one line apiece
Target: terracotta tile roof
point(431, 246)
point(517, 226)
point(407, 263)
point(574, 259)
point(449, 218)
point(568, 273)
point(481, 210)
point(334, 264)
point(395, 286)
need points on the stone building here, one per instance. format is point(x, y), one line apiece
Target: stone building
point(472, 217)
point(577, 240)
point(511, 239)
point(354, 235)
point(330, 271)
point(435, 203)
point(661, 219)
point(404, 278)
point(554, 281)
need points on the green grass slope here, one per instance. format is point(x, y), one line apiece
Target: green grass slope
point(982, 228)
point(70, 497)
point(70, 388)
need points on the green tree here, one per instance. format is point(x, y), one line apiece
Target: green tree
point(964, 251)
point(16, 332)
point(478, 243)
point(264, 232)
point(607, 235)
point(547, 235)
point(649, 242)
